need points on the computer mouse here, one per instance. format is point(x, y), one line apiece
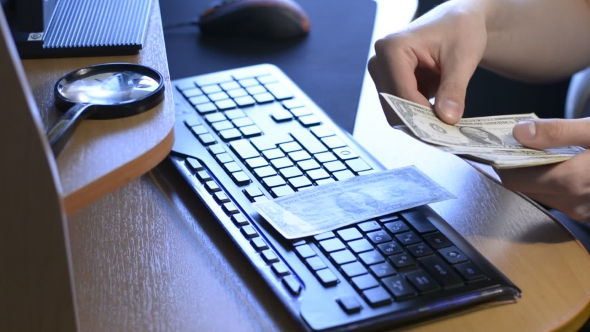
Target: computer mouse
point(269, 19)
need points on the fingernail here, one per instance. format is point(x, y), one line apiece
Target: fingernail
point(525, 130)
point(450, 109)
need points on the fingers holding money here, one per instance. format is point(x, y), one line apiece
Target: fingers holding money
point(564, 186)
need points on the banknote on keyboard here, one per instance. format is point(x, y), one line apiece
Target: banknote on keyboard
point(333, 205)
point(485, 139)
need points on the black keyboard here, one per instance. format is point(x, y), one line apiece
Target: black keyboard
point(251, 134)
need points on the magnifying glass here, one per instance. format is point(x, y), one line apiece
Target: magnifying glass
point(105, 91)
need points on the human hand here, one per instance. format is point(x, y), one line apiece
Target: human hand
point(434, 57)
point(564, 186)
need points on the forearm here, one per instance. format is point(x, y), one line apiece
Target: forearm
point(536, 40)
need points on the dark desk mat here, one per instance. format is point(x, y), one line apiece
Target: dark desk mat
point(328, 64)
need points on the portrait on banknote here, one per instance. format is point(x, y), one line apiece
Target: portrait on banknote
point(438, 128)
point(356, 202)
point(480, 136)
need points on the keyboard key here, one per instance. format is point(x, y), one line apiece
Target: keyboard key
point(305, 251)
point(317, 174)
point(292, 103)
point(299, 155)
point(349, 234)
point(273, 154)
point(378, 237)
point(290, 172)
point(327, 277)
point(244, 149)
point(213, 88)
point(203, 176)
point(242, 122)
point(280, 269)
point(290, 147)
point(334, 166)
point(263, 98)
point(324, 181)
point(369, 226)
point(232, 167)
point(235, 114)
point(452, 255)
point(218, 96)
point(262, 143)
point(207, 139)
point(230, 85)
point(422, 281)
point(377, 296)
point(437, 240)
point(212, 187)
point(212, 79)
point(357, 165)
point(248, 82)
point(308, 164)
point(216, 149)
point(342, 257)
point(349, 304)
point(279, 91)
point(254, 89)
point(470, 272)
point(359, 246)
point(215, 117)
point(408, 238)
point(308, 141)
point(281, 162)
point(353, 269)
point(309, 120)
point(193, 92)
point(315, 263)
point(194, 165)
point(230, 134)
point(273, 181)
point(322, 131)
point(258, 244)
point(206, 108)
point(281, 115)
point(239, 219)
point(222, 125)
point(221, 197)
point(300, 111)
point(237, 93)
point(371, 257)
point(343, 175)
point(185, 85)
point(419, 250)
point(198, 100)
point(250, 131)
point(249, 232)
point(245, 101)
point(266, 79)
point(269, 256)
point(281, 191)
point(292, 285)
point(299, 182)
point(383, 270)
point(442, 272)
point(240, 178)
point(402, 260)
point(191, 121)
point(365, 281)
point(419, 221)
point(396, 227)
point(399, 286)
point(324, 236)
point(230, 208)
point(332, 245)
point(390, 248)
point(252, 192)
point(225, 104)
point(256, 162)
point(264, 171)
point(333, 142)
point(224, 158)
point(345, 153)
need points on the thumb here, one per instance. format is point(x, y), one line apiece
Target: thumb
point(551, 133)
point(450, 98)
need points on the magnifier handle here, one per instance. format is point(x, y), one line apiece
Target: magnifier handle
point(62, 131)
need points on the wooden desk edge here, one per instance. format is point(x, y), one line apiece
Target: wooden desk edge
point(120, 176)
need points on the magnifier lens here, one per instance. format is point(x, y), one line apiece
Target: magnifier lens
point(109, 88)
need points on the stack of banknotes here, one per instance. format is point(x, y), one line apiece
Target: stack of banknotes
point(484, 139)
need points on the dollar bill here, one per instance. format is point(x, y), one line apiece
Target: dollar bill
point(333, 205)
point(487, 139)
